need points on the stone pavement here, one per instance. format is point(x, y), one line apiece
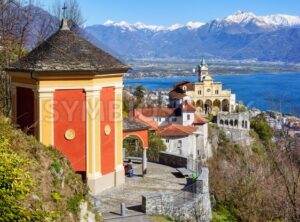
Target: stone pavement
point(134, 218)
point(159, 178)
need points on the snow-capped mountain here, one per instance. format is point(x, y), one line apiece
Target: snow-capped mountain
point(242, 35)
point(248, 22)
point(154, 28)
point(278, 20)
point(237, 22)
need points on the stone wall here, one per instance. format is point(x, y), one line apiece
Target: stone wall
point(236, 126)
point(170, 159)
point(188, 205)
point(234, 120)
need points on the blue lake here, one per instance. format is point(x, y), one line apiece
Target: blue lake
point(263, 91)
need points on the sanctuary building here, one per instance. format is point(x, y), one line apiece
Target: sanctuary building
point(206, 95)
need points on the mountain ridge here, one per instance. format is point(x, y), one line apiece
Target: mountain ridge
point(227, 38)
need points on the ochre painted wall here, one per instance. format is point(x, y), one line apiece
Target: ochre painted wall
point(107, 99)
point(25, 109)
point(70, 113)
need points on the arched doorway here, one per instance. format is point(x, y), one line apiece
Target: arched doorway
point(208, 106)
point(225, 105)
point(135, 140)
point(133, 147)
point(199, 105)
point(216, 105)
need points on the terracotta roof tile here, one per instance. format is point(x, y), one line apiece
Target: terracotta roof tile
point(180, 83)
point(189, 86)
point(175, 130)
point(188, 106)
point(174, 94)
point(199, 120)
point(140, 117)
point(161, 112)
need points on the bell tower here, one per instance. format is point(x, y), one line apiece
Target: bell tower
point(202, 70)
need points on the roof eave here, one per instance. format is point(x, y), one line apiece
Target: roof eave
point(75, 71)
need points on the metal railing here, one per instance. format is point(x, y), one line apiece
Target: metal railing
point(194, 166)
point(189, 193)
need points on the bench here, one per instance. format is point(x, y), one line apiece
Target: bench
point(184, 172)
point(133, 159)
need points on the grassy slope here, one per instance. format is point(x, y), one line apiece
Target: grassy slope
point(53, 191)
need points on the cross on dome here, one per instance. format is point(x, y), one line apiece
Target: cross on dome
point(64, 8)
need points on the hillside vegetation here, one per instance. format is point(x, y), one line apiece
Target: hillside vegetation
point(37, 182)
point(258, 182)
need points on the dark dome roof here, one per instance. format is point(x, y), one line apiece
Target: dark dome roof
point(66, 51)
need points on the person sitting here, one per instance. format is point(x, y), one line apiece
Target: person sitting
point(130, 168)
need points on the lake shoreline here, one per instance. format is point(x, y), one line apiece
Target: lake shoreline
point(229, 74)
point(265, 91)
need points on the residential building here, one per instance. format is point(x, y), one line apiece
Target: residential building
point(179, 127)
point(181, 140)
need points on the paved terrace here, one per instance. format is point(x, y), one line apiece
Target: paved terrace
point(159, 178)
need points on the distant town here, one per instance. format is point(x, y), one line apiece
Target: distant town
point(172, 68)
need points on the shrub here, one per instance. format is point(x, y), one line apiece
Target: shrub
point(56, 166)
point(240, 108)
point(222, 214)
point(56, 196)
point(156, 145)
point(74, 203)
point(15, 185)
point(262, 128)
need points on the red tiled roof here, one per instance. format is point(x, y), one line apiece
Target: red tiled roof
point(199, 120)
point(161, 112)
point(140, 117)
point(176, 95)
point(175, 130)
point(180, 83)
point(189, 85)
point(188, 106)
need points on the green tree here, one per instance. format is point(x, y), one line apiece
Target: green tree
point(262, 128)
point(155, 146)
point(240, 108)
point(8, 55)
point(139, 93)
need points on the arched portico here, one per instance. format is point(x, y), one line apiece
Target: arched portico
point(225, 105)
point(208, 106)
point(216, 105)
point(132, 146)
point(138, 132)
point(199, 105)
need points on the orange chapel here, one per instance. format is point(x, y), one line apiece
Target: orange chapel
point(68, 94)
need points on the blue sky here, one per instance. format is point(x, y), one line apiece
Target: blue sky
point(168, 12)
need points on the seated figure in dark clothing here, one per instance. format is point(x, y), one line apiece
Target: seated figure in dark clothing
point(130, 168)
